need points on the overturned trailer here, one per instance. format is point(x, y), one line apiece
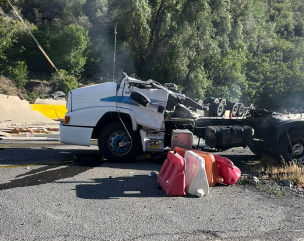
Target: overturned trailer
point(131, 116)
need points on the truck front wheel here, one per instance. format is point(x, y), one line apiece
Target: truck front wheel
point(116, 145)
point(291, 147)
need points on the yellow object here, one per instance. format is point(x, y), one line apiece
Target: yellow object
point(55, 112)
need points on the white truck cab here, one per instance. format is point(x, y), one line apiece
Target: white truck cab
point(120, 115)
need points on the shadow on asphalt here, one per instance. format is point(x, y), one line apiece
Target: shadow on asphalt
point(43, 155)
point(124, 187)
point(53, 164)
point(49, 174)
point(56, 164)
point(120, 187)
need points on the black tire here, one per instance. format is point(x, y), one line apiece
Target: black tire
point(240, 111)
point(220, 110)
point(110, 139)
point(223, 101)
point(217, 110)
point(288, 145)
point(233, 107)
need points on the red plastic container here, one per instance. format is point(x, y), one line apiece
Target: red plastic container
point(172, 175)
point(229, 171)
point(212, 170)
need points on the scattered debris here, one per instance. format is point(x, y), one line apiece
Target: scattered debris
point(5, 134)
point(58, 95)
point(29, 134)
point(27, 128)
point(152, 174)
point(15, 129)
point(17, 117)
point(254, 181)
point(275, 189)
point(287, 183)
point(17, 138)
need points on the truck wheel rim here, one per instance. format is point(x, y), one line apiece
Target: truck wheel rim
point(234, 109)
point(220, 110)
point(297, 150)
point(117, 138)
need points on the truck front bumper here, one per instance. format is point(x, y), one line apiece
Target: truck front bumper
point(75, 135)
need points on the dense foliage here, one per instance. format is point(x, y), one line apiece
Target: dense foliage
point(247, 50)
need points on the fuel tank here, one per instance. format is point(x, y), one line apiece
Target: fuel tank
point(225, 137)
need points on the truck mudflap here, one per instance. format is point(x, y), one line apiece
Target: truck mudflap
point(225, 137)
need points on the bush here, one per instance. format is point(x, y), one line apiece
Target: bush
point(66, 82)
point(32, 96)
point(43, 90)
point(19, 74)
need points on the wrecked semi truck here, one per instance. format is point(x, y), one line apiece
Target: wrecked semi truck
point(130, 117)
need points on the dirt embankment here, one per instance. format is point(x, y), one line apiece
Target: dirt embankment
point(17, 116)
point(7, 87)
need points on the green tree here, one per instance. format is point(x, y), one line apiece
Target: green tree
point(67, 48)
point(8, 30)
point(169, 40)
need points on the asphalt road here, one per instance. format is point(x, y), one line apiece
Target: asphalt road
point(50, 191)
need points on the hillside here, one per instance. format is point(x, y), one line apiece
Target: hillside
point(247, 51)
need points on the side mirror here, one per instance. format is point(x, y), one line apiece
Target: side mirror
point(140, 98)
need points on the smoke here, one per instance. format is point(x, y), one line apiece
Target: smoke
point(292, 105)
point(100, 66)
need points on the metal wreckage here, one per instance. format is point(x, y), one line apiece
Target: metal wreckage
point(132, 116)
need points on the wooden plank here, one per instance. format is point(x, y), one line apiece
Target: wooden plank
point(5, 134)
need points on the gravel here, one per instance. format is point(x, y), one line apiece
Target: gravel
point(281, 189)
